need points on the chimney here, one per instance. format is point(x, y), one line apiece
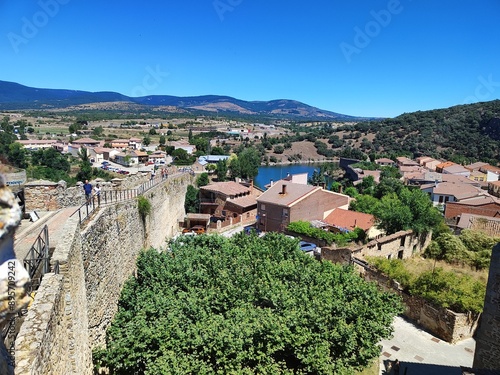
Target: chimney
point(271, 183)
point(283, 189)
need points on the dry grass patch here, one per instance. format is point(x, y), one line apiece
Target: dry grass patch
point(418, 265)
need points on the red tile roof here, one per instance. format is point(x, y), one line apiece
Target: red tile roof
point(293, 193)
point(228, 188)
point(350, 219)
point(86, 141)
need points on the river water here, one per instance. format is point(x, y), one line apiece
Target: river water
point(277, 172)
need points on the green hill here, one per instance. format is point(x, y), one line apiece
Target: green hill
point(461, 133)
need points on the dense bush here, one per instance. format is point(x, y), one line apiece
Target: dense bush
point(445, 289)
point(471, 248)
point(245, 305)
point(341, 239)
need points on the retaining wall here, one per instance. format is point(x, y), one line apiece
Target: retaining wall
point(72, 310)
point(443, 323)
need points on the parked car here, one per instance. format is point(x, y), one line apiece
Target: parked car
point(197, 229)
point(307, 246)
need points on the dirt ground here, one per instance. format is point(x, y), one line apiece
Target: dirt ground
point(305, 148)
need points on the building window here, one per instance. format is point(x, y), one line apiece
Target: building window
point(441, 199)
point(285, 212)
point(262, 207)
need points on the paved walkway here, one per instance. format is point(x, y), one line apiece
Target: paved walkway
point(28, 232)
point(421, 353)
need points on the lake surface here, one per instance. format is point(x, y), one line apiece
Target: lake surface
point(277, 172)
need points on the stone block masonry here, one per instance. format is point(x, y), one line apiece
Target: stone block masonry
point(72, 310)
point(487, 355)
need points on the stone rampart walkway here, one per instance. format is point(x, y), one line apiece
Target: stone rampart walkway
point(28, 232)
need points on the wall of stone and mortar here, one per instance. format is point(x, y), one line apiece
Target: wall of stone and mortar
point(446, 324)
point(52, 196)
point(72, 310)
point(53, 338)
point(487, 354)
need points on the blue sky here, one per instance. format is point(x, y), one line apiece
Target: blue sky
point(363, 58)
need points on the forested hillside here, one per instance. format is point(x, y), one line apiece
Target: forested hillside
point(461, 133)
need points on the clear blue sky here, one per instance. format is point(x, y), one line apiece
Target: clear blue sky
point(364, 58)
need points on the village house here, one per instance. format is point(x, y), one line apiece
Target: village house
point(119, 143)
point(385, 162)
point(444, 192)
point(211, 159)
point(362, 173)
point(440, 167)
point(403, 161)
point(494, 188)
point(492, 173)
point(229, 202)
point(478, 176)
point(428, 163)
point(131, 158)
point(485, 224)
point(484, 205)
point(476, 166)
point(285, 202)
point(36, 144)
point(100, 154)
point(410, 171)
point(135, 143)
point(159, 157)
point(341, 220)
point(87, 143)
point(190, 149)
point(456, 169)
point(428, 178)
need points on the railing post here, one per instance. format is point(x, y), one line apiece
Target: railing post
point(46, 252)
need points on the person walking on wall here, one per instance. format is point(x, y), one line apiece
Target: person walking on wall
point(87, 187)
point(97, 191)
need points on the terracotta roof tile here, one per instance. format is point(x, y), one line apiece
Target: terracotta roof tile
point(293, 192)
point(227, 188)
point(350, 219)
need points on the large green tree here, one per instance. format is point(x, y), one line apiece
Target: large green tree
point(17, 155)
point(249, 163)
point(245, 305)
point(191, 200)
point(221, 170)
point(51, 158)
point(85, 172)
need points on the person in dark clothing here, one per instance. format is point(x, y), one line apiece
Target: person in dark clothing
point(395, 367)
point(87, 187)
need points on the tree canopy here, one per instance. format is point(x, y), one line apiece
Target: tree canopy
point(245, 305)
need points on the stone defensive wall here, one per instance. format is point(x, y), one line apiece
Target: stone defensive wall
point(444, 323)
point(72, 310)
point(487, 355)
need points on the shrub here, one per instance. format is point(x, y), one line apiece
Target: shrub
point(144, 206)
point(341, 239)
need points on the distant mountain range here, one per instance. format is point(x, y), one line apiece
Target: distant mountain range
point(14, 96)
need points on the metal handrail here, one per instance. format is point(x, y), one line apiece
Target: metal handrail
point(38, 253)
point(115, 196)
